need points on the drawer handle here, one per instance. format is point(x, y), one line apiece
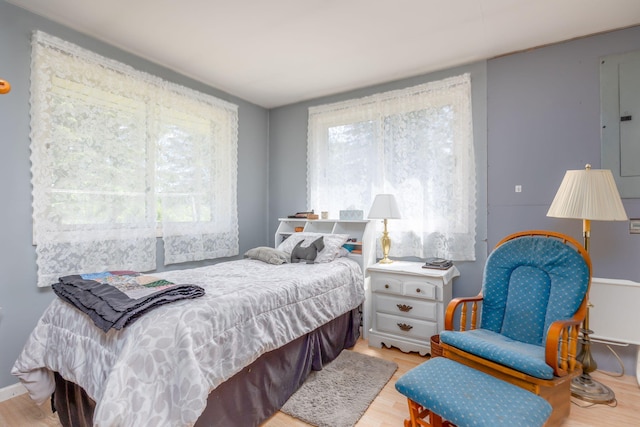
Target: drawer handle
point(404, 327)
point(418, 290)
point(386, 286)
point(404, 307)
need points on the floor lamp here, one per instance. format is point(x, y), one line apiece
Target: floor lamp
point(589, 195)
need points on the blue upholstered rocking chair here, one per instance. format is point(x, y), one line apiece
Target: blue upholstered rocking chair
point(533, 300)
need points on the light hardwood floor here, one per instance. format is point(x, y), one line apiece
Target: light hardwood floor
point(389, 409)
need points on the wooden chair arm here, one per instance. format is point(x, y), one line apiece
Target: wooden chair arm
point(454, 304)
point(562, 343)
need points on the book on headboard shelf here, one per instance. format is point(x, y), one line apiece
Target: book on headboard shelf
point(305, 215)
point(301, 215)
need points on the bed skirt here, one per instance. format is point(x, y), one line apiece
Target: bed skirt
point(252, 395)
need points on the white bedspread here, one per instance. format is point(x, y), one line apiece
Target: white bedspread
point(159, 370)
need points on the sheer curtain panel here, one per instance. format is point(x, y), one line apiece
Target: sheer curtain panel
point(415, 143)
point(118, 156)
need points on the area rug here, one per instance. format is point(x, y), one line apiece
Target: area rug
point(341, 392)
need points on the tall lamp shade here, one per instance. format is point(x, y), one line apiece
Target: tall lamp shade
point(589, 195)
point(385, 207)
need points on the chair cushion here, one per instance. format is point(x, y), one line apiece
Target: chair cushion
point(466, 396)
point(523, 357)
point(529, 283)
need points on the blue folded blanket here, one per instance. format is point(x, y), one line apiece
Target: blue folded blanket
point(115, 299)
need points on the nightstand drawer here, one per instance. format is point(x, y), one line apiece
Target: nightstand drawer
point(419, 289)
point(418, 309)
point(402, 326)
point(387, 285)
point(409, 287)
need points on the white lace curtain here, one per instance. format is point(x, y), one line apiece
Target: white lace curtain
point(415, 143)
point(118, 156)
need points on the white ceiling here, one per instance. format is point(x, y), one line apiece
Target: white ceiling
point(278, 52)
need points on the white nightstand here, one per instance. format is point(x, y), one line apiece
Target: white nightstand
point(408, 304)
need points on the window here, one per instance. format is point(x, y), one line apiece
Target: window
point(415, 143)
point(118, 154)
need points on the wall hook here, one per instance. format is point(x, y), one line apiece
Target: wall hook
point(5, 87)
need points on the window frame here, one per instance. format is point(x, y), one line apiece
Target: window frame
point(377, 107)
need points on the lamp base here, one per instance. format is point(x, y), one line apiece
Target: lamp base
point(586, 388)
point(385, 243)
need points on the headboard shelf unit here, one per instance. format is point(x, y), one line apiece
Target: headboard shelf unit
point(360, 230)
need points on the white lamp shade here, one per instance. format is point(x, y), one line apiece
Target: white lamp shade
point(384, 207)
point(588, 194)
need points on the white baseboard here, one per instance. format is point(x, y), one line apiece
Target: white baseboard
point(14, 390)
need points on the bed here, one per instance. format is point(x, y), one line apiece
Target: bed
point(230, 357)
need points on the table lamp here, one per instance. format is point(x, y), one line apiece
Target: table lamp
point(384, 207)
point(589, 195)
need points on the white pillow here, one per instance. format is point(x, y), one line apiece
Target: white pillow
point(332, 244)
point(268, 255)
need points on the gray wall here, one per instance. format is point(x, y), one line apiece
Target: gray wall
point(21, 301)
point(543, 119)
